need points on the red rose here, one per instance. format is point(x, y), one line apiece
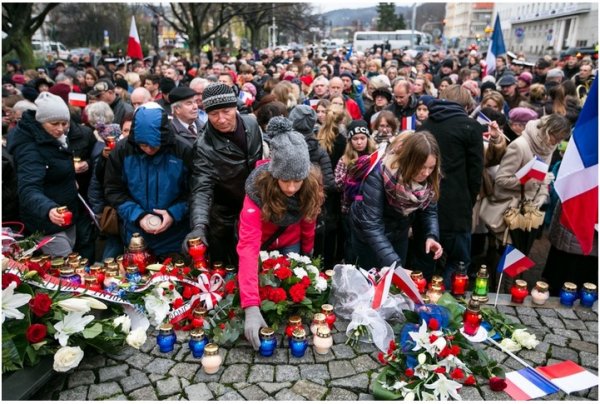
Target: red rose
point(305, 281)
point(177, 303)
point(297, 293)
point(393, 345)
point(381, 358)
point(222, 326)
point(445, 352)
point(469, 381)
point(268, 264)
point(433, 324)
point(187, 291)
point(282, 261)
point(277, 295)
point(7, 278)
point(440, 369)
point(230, 287)
point(35, 333)
point(40, 304)
point(455, 350)
point(198, 322)
point(282, 272)
point(457, 374)
point(497, 383)
point(409, 372)
point(265, 292)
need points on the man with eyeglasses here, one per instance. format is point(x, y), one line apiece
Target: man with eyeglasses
point(104, 90)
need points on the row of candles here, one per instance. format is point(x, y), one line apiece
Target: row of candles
point(211, 360)
point(519, 291)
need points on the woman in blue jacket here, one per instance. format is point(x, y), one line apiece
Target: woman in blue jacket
point(146, 180)
point(400, 191)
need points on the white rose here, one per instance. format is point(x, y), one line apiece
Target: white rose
point(156, 306)
point(136, 338)
point(320, 284)
point(67, 358)
point(300, 272)
point(294, 256)
point(124, 321)
point(263, 256)
point(313, 269)
point(510, 345)
point(274, 254)
point(524, 338)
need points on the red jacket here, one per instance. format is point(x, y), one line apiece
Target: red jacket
point(253, 231)
point(352, 108)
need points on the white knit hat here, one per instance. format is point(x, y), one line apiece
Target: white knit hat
point(51, 108)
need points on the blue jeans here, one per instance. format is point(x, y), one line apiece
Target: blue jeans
point(457, 248)
point(292, 248)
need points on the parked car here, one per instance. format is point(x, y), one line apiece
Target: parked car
point(42, 48)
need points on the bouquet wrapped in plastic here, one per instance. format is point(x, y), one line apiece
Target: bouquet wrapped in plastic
point(364, 298)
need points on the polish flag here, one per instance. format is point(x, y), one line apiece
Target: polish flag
point(77, 100)
point(134, 46)
point(535, 168)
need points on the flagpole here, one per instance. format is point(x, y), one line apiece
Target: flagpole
point(498, 290)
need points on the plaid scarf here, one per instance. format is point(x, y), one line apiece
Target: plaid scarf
point(405, 198)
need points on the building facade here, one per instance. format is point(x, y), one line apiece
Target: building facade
point(466, 23)
point(548, 28)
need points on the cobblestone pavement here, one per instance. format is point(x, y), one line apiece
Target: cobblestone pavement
point(344, 374)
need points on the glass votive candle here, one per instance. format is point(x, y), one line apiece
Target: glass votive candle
point(323, 340)
point(540, 293)
point(294, 323)
point(589, 294)
point(327, 309)
point(166, 338)
point(419, 280)
point(133, 274)
point(480, 291)
point(298, 343)
point(460, 281)
point(329, 273)
point(197, 343)
point(268, 342)
point(66, 214)
point(472, 318)
point(434, 293)
point(518, 291)
point(211, 360)
point(437, 280)
point(91, 282)
point(198, 316)
point(568, 294)
point(318, 321)
point(69, 276)
point(230, 272)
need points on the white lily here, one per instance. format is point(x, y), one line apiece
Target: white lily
point(156, 305)
point(410, 396)
point(444, 387)
point(94, 303)
point(75, 305)
point(421, 338)
point(11, 301)
point(425, 396)
point(72, 323)
point(124, 321)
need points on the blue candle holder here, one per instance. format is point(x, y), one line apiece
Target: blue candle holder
point(589, 294)
point(197, 342)
point(568, 294)
point(298, 343)
point(133, 274)
point(268, 343)
point(166, 338)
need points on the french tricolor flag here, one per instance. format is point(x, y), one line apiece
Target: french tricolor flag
point(246, 98)
point(527, 384)
point(408, 123)
point(536, 168)
point(569, 376)
point(513, 262)
point(577, 180)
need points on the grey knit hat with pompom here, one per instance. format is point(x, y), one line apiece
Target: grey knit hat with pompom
point(289, 152)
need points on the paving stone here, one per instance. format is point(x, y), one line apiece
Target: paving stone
point(231, 396)
point(535, 357)
point(149, 344)
point(364, 363)
point(542, 347)
point(337, 394)
point(358, 382)
point(340, 369)
point(112, 373)
point(135, 380)
point(288, 395)
point(311, 391)
point(567, 333)
point(587, 315)
point(169, 355)
point(81, 378)
point(365, 397)
point(280, 357)
point(184, 383)
point(575, 325)
point(553, 322)
point(584, 346)
point(139, 360)
point(160, 366)
point(234, 373)
point(592, 326)
point(253, 393)
point(565, 354)
point(589, 336)
point(553, 361)
point(168, 387)
point(511, 364)
point(558, 340)
point(261, 373)
point(553, 397)
point(175, 397)
point(343, 352)
point(566, 313)
point(364, 347)
point(239, 355)
point(219, 389)
point(271, 388)
point(76, 394)
point(120, 397)
point(190, 358)
point(308, 358)
point(201, 376)
point(526, 311)
point(513, 318)
point(470, 394)
point(575, 398)
point(123, 353)
point(240, 385)
point(92, 362)
point(103, 390)
point(182, 353)
point(324, 358)
point(508, 310)
point(490, 395)
point(111, 362)
point(530, 321)
point(544, 313)
point(155, 377)
point(198, 392)
point(184, 370)
point(341, 325)
point(588, 360)
point(314, 372)
point(496, 354)
point(339, 338)
point(286, 373)
point(593, 395)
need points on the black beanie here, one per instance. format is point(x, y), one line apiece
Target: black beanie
point(356, 127)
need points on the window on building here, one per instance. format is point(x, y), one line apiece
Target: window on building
point(581, 43)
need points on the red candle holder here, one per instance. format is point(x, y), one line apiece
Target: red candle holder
point(459, 284)
point(419, 280)
point(67, 215)
point(518, 291)
point(197, 250)
point(137, 254)
point(294, 323)
point(330, 317)
point(437, 280)
point(219, 268)
point(472, 318)
point(111, 142)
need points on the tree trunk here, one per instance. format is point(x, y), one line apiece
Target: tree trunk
point(24, 51)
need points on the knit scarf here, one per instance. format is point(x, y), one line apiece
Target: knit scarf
point(405, 198)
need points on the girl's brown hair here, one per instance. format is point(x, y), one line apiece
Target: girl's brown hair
point(310, 195)
point(350, 155)
point(389, 117)
point(331, 128)
point(413, 155)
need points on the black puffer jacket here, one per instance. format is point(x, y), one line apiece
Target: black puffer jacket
point(380, 225)
point(219, 174)
point(45, 175)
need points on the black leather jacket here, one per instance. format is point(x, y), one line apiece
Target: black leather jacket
point(219, 173)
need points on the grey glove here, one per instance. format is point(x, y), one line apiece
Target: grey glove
point(197, 232)
point(254, 322)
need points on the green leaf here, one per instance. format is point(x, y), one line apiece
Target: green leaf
point(93, 331)
point(267, 305)
point(411, 316)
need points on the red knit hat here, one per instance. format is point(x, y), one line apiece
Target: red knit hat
point(62, 90)
point(307, 80)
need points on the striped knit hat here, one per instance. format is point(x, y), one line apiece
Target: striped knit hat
point(218, 96)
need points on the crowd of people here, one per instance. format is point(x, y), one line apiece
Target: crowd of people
point(371, 158)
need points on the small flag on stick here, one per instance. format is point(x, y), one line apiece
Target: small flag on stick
point(536, 168)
